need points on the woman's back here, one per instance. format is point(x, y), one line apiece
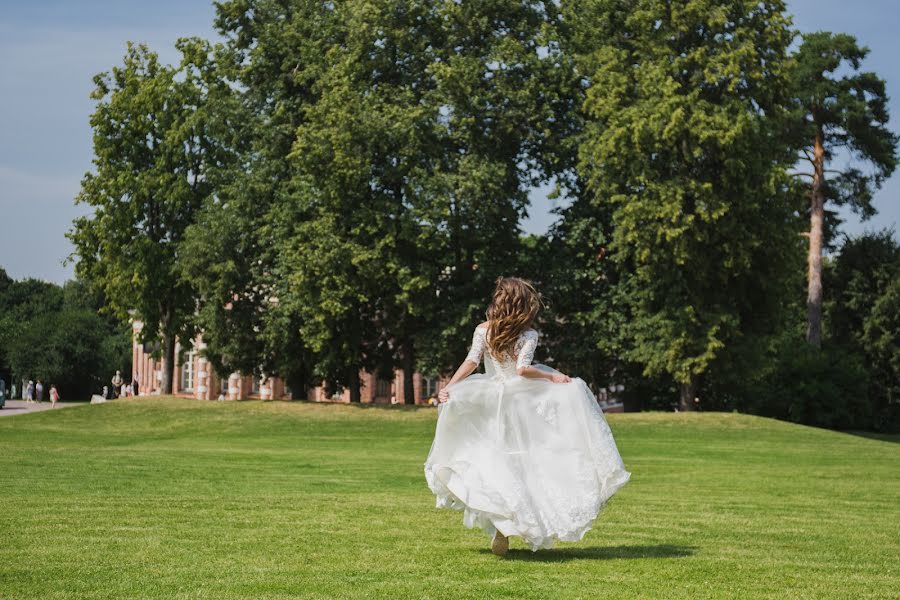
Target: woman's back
point(505, 366)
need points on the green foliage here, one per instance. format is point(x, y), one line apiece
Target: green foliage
point(584, 318)
point(55, 334)
point(382, 179)
point(861, 271)
point(825, 387)
point(337, 186)
point(846, 109)
point(881, 336)
point(850, 383)
point(836, 109)
point(700, 227)
point(154, 156)
point(861, 302)
point(270, 62)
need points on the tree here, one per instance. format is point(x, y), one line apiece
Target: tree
point(861, 298)
point(54, 334)
point(415, 132)
point(271, 61)
point(5, 282)
point(837, 116)
point(881, 335)
point(152, 155)
point(360, 156)
point(504, 99)
point(700, 218)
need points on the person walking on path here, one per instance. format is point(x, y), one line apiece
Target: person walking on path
point(54, 396)
point(39, 391)
point(29, 393)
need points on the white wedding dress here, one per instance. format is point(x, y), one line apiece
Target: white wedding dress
point(527, 457)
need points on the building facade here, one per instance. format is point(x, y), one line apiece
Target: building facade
point(195, 378)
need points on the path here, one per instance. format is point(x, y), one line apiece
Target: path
point(20, 407)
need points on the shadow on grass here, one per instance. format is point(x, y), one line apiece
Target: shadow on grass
point(598, 553)
point(352, 405)
point(882, 437)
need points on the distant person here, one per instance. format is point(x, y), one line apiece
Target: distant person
point(39, 391)
point(117, 383)
point(29, 393)
point(13, 391)
point(107, 394)
point(54, 396)
point(135, 387)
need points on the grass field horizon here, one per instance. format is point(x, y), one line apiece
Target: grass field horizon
point(173, 498)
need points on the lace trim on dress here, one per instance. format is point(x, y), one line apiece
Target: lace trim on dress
point(528, 341)
point(525, 347)
point(478, 342)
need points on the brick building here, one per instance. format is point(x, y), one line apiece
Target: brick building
point(195, 378)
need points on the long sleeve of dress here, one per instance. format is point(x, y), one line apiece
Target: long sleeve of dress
point(477, 349)
point(526, 353)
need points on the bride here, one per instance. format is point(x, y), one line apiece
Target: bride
point(523, 450)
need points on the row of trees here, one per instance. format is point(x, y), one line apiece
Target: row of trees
point(336, 185)
point(55, 334)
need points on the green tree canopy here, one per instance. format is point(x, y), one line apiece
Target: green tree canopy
point(861, 296)
point(700, 220)
point(55, 334)
point(152, 154)
point(388, 166)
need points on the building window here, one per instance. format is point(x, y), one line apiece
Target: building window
point(187, 372)
point(382, 387)
point(429, 387)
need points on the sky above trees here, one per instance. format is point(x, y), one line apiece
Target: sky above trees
point(52, 49)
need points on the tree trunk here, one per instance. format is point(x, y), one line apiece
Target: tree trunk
point(353, 384)
point(409, 391)
point(168, 362)
point(816, 232)
point(688, 391)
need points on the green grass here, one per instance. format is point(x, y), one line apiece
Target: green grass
point(171, 498)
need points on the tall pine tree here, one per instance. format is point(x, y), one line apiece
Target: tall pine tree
point(839, 111)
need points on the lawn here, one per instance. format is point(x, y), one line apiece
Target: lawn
point(169, 498)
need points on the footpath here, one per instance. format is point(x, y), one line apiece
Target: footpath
point(20, 407)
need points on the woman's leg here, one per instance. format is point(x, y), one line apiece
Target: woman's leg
point(500, 544)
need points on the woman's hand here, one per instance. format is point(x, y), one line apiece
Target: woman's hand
point(560, 378)
point(443, 395)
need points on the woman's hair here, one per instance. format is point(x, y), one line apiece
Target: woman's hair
point(512, 310)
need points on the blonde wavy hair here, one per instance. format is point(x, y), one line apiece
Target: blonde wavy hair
point(513, 308)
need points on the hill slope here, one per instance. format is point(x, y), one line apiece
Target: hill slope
point(169, 498)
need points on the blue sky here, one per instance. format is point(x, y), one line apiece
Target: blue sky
point(50, 50)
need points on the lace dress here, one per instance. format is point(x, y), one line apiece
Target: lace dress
point(527, 457)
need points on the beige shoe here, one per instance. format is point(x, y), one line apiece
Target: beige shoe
point(500, 544)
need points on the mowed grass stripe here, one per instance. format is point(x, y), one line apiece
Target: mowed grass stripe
point(171, 498)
